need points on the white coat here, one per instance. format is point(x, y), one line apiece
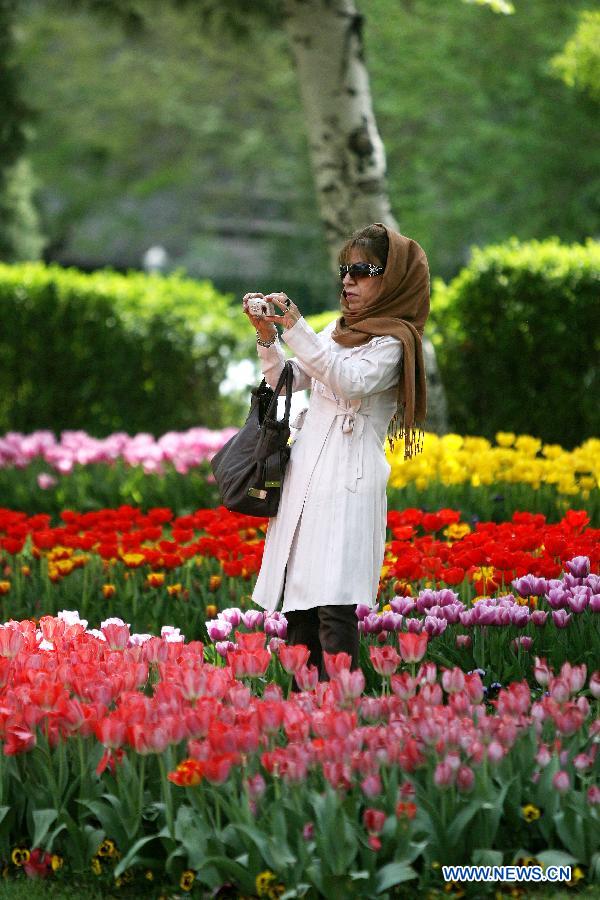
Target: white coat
point(330, 526)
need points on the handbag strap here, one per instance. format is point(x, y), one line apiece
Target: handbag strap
point(287, 377)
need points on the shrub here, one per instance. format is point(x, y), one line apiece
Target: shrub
point(106, 352)
point(517, 334)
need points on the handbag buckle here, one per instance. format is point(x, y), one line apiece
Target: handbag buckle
point(272, 484)
point(257, 492)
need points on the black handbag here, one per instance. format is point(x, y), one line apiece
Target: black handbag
point(250, 467)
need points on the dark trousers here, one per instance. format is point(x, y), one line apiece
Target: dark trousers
point(332, 629)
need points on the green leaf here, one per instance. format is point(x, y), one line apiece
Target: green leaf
point(193, 834)
point(109, 820)
point(231, 870)
point(462, 819)
point(556, 858)
point(42, 820)
point(393, 873)
point(131, 857)
point(4, 811)
point(484, 856)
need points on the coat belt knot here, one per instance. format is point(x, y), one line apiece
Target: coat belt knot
point(353, 423)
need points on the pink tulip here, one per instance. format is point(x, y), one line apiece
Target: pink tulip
point(371, 786)
point(561, 781)
point(444, 775)
point(542, 673)
point(453, 680)
point(385, 660)
point(11, 641)
point(465, 778)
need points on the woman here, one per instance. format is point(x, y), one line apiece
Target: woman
point(324, 549)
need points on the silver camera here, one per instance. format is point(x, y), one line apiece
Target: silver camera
point(258, 307)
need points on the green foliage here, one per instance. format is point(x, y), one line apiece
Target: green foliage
point(483, 142)
point(170, 135)
point(19, 233)
point(108, 352)
point(321, 320)
point(579, 62)
point(173, 135)
point(517, 334)
point(20, 237)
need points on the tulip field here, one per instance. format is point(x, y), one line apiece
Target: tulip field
point(161, 738)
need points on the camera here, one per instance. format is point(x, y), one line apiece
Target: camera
point(258, 307)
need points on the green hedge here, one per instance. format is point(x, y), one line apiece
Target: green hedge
point(107, 352)
point(517, 336)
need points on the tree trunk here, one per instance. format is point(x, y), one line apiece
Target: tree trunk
point(347, 153)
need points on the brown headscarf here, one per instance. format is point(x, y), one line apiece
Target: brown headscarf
point(400, 309)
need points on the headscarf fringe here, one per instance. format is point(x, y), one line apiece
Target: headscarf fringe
point(412, 435)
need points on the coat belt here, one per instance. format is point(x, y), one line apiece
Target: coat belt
point(353, 423)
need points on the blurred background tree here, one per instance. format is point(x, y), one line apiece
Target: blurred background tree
point(578, 64)
point(19, 229)
point(164, 135)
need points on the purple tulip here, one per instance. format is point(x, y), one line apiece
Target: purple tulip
point(275, 624)
point(595, 603)
point(504, 615)
point(391, 621)
point(579, 599)
point(561, 618)
point(452, 612)
point(434, 626)
point(402, 605)
point(538, 618)
point(218, 629)
point(426, 599)
point(363, 610)
point(372, 624)
point(523, 641)
point(557, 597)
point(414, 626)
point(232, 615)
point(252, 619)
point(223, 647)
point(571, 581)
point(529, 585)
point(593, 581)
point(520, 616)
point(579, 566)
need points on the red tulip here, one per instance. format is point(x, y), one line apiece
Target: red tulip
point(245, 663)
point(374, 820)
point(385, 660)
point(412, 646)
point(253, 641)
point(293, 657)
point(336, 663)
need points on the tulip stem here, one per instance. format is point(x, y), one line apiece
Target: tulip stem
point(82, 779)
point(141, 787)
point(167, 795)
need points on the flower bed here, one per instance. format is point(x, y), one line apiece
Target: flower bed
point(172, 763)
point(155, 567)
point(137, 759)
point(41, 473)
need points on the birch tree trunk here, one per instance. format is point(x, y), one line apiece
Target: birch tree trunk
point(347, 153)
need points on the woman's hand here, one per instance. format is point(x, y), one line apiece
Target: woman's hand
point(265, 329)
point(291, 313)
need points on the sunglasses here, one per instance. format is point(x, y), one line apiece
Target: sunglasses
point(361, 270)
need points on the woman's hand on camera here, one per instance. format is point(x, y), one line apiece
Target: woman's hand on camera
point(291, 313)
point(260, 323)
